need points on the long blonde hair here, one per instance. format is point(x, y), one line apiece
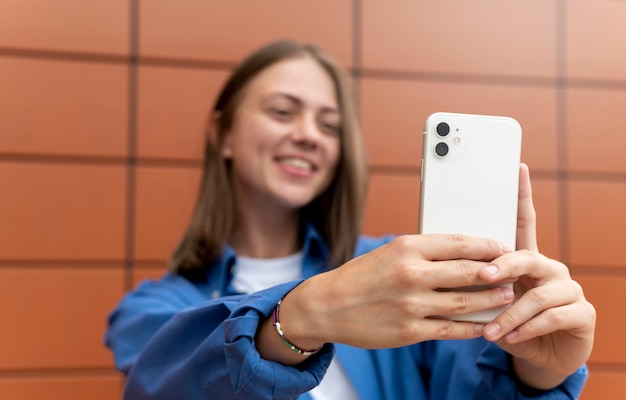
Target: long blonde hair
point(336, 213)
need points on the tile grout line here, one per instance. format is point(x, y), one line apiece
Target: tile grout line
point(356, 53)
point(356, 71)
point(180, 163)
point(98, 160)
point(145, 265)
point(561, 133)
point(66, 372)
point(132, 145)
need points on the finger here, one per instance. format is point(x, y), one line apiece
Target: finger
point(564, 318)
point(445, 329)
point(531, 304)
point(523, 263)
point(526, 216)
point(450, 247)
point(459, 302)
point(451, 274)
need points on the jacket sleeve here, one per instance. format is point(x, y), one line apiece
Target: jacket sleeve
point(497, 372)
point(480, 370)
point(174, 344)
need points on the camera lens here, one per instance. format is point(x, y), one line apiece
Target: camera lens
point(443, 129)
point(441, 149)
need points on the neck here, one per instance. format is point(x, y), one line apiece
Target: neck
point(263, 234)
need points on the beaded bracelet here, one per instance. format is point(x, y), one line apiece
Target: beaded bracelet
point(280, 332)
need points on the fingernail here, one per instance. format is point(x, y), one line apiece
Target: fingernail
point(511, 336)
point(491, 269)
point(505, 248)
point(479, 328)
point(506, 293)
point(492, 329)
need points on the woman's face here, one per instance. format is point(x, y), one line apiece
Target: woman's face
point(284, 142)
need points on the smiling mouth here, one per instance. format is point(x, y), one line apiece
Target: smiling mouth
point(297, 163)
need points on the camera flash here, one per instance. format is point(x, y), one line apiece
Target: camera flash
point(456, 140)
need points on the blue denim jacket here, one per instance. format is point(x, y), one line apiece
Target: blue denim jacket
point(175, 339)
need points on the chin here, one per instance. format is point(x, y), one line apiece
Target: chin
point(295, 200)
point(296, 196)
point(296, 203)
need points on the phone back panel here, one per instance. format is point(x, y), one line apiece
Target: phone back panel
point(473, 189)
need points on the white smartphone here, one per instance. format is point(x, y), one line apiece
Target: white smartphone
point(470, 181)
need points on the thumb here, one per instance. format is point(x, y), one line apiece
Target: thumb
point(526, 216)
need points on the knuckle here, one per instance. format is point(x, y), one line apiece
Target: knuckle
point(445, 329)
point(508, 317)
point(466, 271)
point(531, 257)
point(505, 263)
point(402, 244)
point(592, 312)
point(460, 242)
point(527, 219)
point(561, 268)
point(538, 297)
point(577, 289)
point(530, 327)
point(493, 246)
point(461, 302)
point(495, 296)
point(553, 316)
point(406, 276)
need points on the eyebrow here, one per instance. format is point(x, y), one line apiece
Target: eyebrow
point(299, 102)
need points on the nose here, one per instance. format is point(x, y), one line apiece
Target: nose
point(306, 133)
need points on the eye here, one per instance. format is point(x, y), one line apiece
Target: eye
point(330, 128)
point(330, 125)
point(281, 112)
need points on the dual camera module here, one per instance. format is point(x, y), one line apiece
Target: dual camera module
point(441, 149)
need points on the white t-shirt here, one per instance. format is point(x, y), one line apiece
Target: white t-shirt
point(254, 274)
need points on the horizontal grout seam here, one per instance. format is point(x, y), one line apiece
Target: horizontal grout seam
point(152, 264)
point(99, 160)
point(374, 169)
point(607, 367)
point(488, 79)
point(577, 176)
point(111, 372)
point(60, 372)
point(60, 263)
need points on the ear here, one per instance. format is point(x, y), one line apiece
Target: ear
point(214, 130)
point(227, 147)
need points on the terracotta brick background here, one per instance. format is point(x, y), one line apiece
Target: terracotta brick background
point(102, 105)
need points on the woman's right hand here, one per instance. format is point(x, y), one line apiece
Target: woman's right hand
point(387, 298)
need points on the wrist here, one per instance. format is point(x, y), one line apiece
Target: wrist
point(533, 377)
point(287, 342)
point(297, 323)
point(299, 319)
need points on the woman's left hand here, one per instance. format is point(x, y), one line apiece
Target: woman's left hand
point(549, 329)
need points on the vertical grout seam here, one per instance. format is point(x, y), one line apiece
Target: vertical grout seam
point(561, 134)
point(131, 165)
point(356, 52)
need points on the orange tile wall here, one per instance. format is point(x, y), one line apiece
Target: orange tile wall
point(102, 106)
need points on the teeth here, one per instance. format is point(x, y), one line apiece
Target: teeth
point(298, 162)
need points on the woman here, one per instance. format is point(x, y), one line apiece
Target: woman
point(266, 300)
